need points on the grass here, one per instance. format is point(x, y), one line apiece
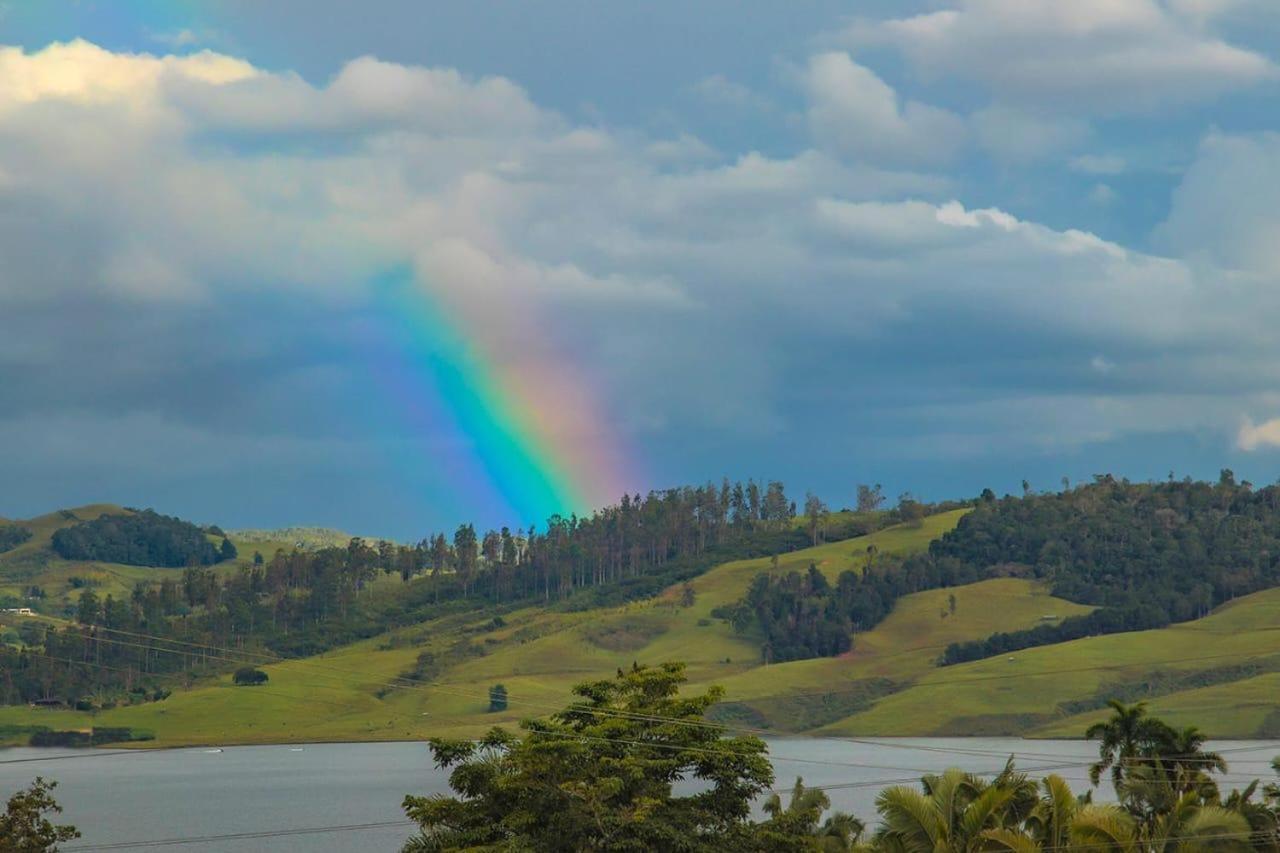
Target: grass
point(33, 563)
point(538, 654)
point(1024, 692)
point(889, 684)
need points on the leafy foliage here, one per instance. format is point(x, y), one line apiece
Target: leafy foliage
point(599, 775)
point(1145, 554)
point(12, 535)
point(142, 539)
point(249, 676)
point(305, 601)
point(25, 826)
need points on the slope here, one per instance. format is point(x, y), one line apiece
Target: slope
point(1215, 671)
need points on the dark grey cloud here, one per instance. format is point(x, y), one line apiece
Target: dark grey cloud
point(190, 306)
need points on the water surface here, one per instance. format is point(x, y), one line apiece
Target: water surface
point(121, 796)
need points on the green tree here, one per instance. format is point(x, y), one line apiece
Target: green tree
point(90, 610)
point(249, 676)
point(498, 698)
point(870, 498)
point(1125, 739)
point(599, 775)
point(957, 812)
point(25, 826)
point(839, 833)
point(466, 549)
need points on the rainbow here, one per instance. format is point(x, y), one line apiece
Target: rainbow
point(530, 431)
point(508, 420)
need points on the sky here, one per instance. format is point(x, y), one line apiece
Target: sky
point(395, 265)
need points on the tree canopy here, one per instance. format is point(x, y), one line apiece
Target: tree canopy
point(599, 775)
point(25, 826)
point(143, 538)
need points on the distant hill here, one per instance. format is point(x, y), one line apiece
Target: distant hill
point(32, 573)
point(1027, 598)
point(302, 538)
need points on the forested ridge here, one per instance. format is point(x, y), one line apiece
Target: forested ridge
point(1146, 554)
point(143, 538)
point(302, 602)
point(12, 535)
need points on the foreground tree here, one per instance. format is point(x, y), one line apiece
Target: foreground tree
point(25, 826)
point(599, 775)
point(1128, 738)
point(800, 823)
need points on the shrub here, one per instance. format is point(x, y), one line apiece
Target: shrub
point(249, 676)
point(497, 698)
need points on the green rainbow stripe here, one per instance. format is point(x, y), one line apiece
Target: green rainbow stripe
point(523, 467)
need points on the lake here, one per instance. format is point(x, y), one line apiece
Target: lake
point(346, 796)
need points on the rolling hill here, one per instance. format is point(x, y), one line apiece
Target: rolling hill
point(433, 677)
point(34, 563)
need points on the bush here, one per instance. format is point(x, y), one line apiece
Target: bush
point(497, 698)
point(248, 676)
point(145, 539)
point(12, 535)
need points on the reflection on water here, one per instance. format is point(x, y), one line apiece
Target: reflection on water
point(274, 791)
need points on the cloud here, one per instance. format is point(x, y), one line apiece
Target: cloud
point(1104, 56)
point(210, 236)
point(1021, 136)
point(1098, 164)
point(720, 90)
point(855, 113)
point(1253, 436)
point(1224, 209)
point(1102, 194)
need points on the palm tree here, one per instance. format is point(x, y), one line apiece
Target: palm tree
point(1187, 761)
point(1124, 739)
point(1262, 817)
point(1050, 821)
point(839, 833)
point(956, 812)
point(1108, 828)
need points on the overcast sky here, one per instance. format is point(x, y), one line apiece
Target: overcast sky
point(939, 245)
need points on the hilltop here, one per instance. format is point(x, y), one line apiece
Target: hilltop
point(35, 563)
point(982, 634)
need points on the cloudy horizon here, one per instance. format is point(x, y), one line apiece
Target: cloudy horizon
point(941, 246)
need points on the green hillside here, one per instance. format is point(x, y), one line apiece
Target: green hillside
point(433, 677)
point(1029, 691)
point(33, 563)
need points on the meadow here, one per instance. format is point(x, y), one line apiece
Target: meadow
point(1217, 671)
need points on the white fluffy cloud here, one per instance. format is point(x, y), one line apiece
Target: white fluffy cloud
point(1112, 56)
point(855, 113)
point(160, 207)
point(1254, 436)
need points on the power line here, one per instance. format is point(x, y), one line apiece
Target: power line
point(239, 836)
point(412, 684)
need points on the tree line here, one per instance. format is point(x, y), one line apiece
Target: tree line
point(302, 602)
point(602, 774)
point(1145, 554)
point(12, 535)
point(143, 538)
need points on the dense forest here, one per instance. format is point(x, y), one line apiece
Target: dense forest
point(302, 602)
point(804, 616)
point(12, 535)
point(143, 538)
point(1146, 554)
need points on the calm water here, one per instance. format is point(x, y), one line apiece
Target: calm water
point(136, 796)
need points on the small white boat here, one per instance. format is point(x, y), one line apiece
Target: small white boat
point(295, 749)
point(213, 750)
